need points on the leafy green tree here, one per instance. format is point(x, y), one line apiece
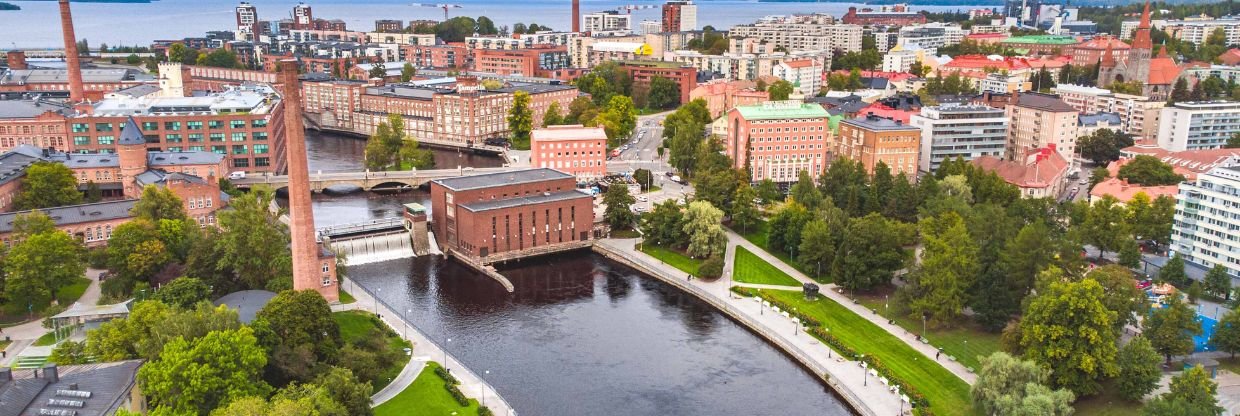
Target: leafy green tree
point(412, 154)
point(949, 266)
point(1069, 330)
point(297, 317)
point(553, 116)
point(69, 352)
point(703, 226)
point(93, 192)
point(520, 120)
point(618, 213)
point(1138, 369)
point(1024, 256)
point(820, 239)
point(744, 213)
point(1119, 294)
point(1097, 175)
point(1217, 282)
point(785, 227)
point(768, 191)
point(1176, 407)
point(1129, 254)
point(780, 90)
point(383, 147)
point(1149, 171)
point(220, 58)
point(1171, 328)
point(183, 292)
point(1196, 390)
point(178, 52)
point(664, 93)
point(135, 251)
point(1194, 292)
point(1226, 335)
point(901, 201)
point(871, 251)
point(197, 376)
point(252, 247)
point(1103, 145)
point(805, 192)
point(347, 389)
point(377, 70)
point(1233, 142)
point(1106, 224)
point(407, 72)
point(1173, 271)
point(713, 181)
point(32, 223)
point(36, 268)
point(663, 225)
point(1007, 385)
point(47, 184)
point(158, 204)
point(618, 120)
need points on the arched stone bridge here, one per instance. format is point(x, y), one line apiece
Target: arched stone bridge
point(367, 180)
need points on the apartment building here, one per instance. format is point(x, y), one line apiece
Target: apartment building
point(803, 36)
point(524, 40)
point(1206, 231)
point(679, 15)
point(967, 131)
point(804, 74)
point(1198, 125)
point(573, 149)
point(527, 62)
point(1040, 174)
point(1040, 121)
point(871, 139)
point(779, 138)
point(1139, 115)
point(932, 35)
point(1197, 31)
point(607, 21)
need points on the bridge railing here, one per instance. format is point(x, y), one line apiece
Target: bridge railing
point(362, 227)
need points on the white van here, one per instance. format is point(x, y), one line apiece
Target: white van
point(236, 175)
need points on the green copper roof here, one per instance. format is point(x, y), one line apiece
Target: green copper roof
point(781, 109)
point(833, 123)
point(1043, 40)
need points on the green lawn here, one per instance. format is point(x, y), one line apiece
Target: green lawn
point(967, 342)
point(356, 324)
point(346, 298)
point(73, 292)
point(4, 344)
point(426, 396)
point(625, 233)
point(45, 340)
point(749, 268)
point(948, 394)
point(1107, 404)
point(675, 258)
point(759, 233)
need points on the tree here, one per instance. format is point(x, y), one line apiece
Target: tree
point(618, 120)
point(1195, 391)
point(805, 192)
point(183, 292)
point(1176, 407)
point(1233, 142)
point(135, 251)
point(1010, 386)
point(252, 248)
point(377, 70)
point(1024, 256)
point(412, 153)
point(383, 147)
point(197, 376)
point(1149, 171)
point(768, 191)
point(1069, 330)
point(93, 192)
point(1171, 328)
point(407, 72)
point(520, 120)
point(1217, 282)
point(744, 213)
point(785, 227)
point(347, 390)
point(1138, 369)
point(1097, 175)
point(871, 251)
point(949, 266)
point(1129, 253)
point(38, 267)
point(158, 204)
point(1227, 333)
point(1179, 92)
point(664, 93)
point(32, 223)
point(618, 201)
point(1119, 294)
point(220, 58)
point(780, 90)
point(664, 225)
point(552, 116)
point(702, 225)
point(820, 239)
point(1106, 224)
point(1103, 145)
point(48, 184)
point(178, 52)
point(1173, 271)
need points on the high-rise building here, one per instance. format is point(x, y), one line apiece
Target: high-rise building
point(780, 139)
point(650, 26)
point(949, 131)
point(1198, 125)
point(607, 21)
point(871, 139)
point(247, 22)
point(679, 16)
point(303, 17)
point(574, 149)
point(1040, 121)
point(1205, 222)
point(797, 36)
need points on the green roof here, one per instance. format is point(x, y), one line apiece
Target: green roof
point(773, 110)
point(833, 123)
point(1043, 40)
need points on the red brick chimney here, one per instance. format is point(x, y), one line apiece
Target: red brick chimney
point(77, 93)
point(307, 264)
point(576, 15)
point(16, 60)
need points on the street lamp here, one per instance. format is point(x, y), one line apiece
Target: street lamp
point(484, 387)
point(378, 290)
point(445, 355)
point(406, 326)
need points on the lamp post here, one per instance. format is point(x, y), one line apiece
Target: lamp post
point(406, 323)
point(378, 290)
point(445, 355)
point(484, 387)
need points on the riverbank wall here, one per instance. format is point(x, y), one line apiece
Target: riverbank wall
point(770, 334)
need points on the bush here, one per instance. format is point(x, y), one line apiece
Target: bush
point(712, 267)
point(484, 411)
point(456, 394)
point(97, 258)
point(446, 376)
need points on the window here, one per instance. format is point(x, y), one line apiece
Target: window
point(238, 137)
point(262, 161)
point(259, 123)
point(195, 137)
point(260, 135)
point(196, 148)
point(103, 126)
point(172, 138)
point(220, 149)
point(172, 125)
point(150, 125)
point(208, 202)
point(80, 127)
point(241, 163)
point(237, 124)
point(174, 149)
point(217, 137)
point(215, 124)
point(81, 140)
point(260, 149)
point(105, 140)
point(193, 125)
point(239, 149)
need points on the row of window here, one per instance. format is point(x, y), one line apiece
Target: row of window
point(170, 125)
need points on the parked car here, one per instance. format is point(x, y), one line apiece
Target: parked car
point(669, 173)
point(642, 198)
point(236, 175)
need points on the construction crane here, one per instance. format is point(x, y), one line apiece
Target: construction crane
point(631, 7)
point(445, 8)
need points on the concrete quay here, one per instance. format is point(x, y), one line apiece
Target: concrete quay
point(841, 374)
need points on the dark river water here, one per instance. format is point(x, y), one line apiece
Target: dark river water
point(581, 335)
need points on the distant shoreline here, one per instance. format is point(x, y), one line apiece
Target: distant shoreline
point(9, 6)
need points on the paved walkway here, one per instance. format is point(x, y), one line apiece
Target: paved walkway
point(830, 290)
point(23, 335)
point(866, 394)
point(423, 350)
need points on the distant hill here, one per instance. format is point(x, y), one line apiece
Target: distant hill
point(9, 6)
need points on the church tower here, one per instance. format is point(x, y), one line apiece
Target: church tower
point(1142, 50)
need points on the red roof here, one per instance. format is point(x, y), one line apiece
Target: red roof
point(891, 76)
point(1231, 57)
point(1042, 170)
point(1124, 191)
point(977, 36)
point(800, 63)
point(981, 62)
point(886, 112)
point(1163, 69)
point(1101, 43)
point(1189, 163)
point(1050, 63)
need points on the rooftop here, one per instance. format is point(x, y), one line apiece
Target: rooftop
point(568, 132)
point(30, 108)
point(55, 76)
point(76, 214)
point(491, 180)
point(1096, 119)
point(1045, 102)
point(775, 110)
point(877, 123)
point(545, 197)
point(1040, 171)
point(13, 163)
point(254, 99)
point(104, 387)
point(1043, 40)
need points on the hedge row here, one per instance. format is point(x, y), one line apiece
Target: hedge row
point(484, 411)
point(449, 384)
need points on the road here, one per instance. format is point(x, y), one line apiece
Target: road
point(643, 153)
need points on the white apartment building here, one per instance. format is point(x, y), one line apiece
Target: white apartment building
point(804, 74)
point(932, 35)
point(1224, 72)
point(1196, 31)
point(1206, 231)
point(521, 41)
point(650, 26)
point(959, 130)
point(1198, 125)
point(607, 21)
point(803, 36)
point(902, 57)
point(1139, 115)
point(247, 21)
point(744, 66)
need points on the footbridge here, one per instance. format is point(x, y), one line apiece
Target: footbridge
point(367, 180)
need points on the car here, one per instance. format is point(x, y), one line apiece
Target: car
point(1084, 182)
point(1144, 284)
point(642, 198)
point(669, 174)
point(236, 175)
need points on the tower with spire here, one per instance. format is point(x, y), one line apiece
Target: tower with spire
point(1156, 74)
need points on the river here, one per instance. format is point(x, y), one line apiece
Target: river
point(581, 335)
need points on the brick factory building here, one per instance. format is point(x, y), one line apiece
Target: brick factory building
point(574, 149)
point(535, 61)
point(897, 16)
point(528, 210)
point(871, 139)
point(458, 113)
point(643, 71)
point(780, 138)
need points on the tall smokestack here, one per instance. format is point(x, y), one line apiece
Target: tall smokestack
point(77, 94)
point(306, 274)
point(577, 16)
